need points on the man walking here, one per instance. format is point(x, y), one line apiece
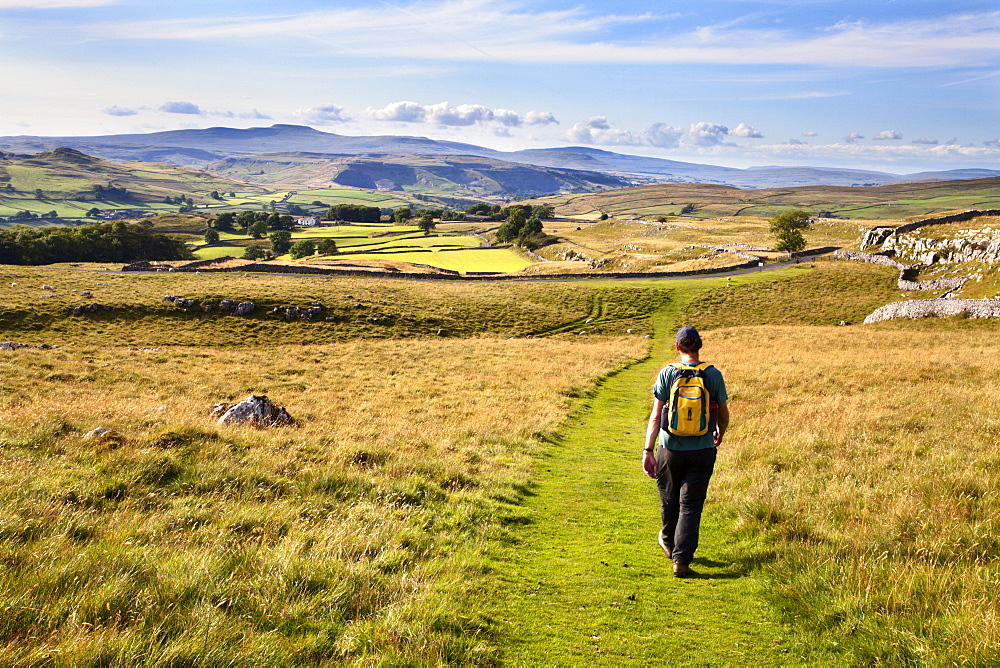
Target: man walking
point(682, 464)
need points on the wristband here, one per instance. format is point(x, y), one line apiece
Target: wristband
point(648, 450)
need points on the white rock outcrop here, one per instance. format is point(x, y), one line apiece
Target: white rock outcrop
point(254, 411)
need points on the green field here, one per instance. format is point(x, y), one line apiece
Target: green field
point(501, 260)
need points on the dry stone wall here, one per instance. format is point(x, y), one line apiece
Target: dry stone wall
point(878, 236)
point(972, 246)
point(903, 283)
point(922, 308)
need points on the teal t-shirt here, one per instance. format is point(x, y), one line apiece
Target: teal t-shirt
point(661, 390)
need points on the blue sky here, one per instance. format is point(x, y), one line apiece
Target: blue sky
point(893, 85)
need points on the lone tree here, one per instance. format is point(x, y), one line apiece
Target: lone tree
point(211, 236)
point(254, 252)
point(327, 247)
point(281, 241)
point(302, 248)
point(426, 223)
point(787, 228)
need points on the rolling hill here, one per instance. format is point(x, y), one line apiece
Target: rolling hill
point(206, 146)
point(459, 175)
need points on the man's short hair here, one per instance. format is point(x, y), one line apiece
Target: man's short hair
point(688, 340)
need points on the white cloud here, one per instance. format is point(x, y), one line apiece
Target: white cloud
point(892, 135)
point(115, 110)
point(926, 142)
point(323, 114)
point(463, 115)
point(809, 133)
point(853, 137)
point(597, 130)
point(745, 131)
point(661, 135)
point(181, 108)
point(706, 134)
point(540, 118)
point(403, 112)
point(495, 30)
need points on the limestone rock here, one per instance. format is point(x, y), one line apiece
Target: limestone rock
point(104, 435)
point(255, 411)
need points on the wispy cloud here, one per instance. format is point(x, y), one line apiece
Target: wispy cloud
point(890, 135)
point(115, 110)
point(323, 114)
point(181, 108)
point(499, 31)
point(461, 115)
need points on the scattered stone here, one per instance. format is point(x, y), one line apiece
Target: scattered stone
point(48, 287)
point(104, 435)
point(11, 345)
point(254, 411)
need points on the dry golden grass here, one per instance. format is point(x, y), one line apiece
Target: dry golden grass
point(334, 539)
point(867, 457)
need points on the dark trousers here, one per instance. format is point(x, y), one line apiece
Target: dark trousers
point(682, 479)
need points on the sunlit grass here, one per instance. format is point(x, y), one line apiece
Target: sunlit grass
point(864, 460)
point(351, 534)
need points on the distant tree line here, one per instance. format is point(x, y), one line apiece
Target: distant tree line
point(254, 223)
point(97, 242)
point(498, 212)
point(31, 215)
point(112, 193)
point(354, 213)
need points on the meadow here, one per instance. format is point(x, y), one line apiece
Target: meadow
point(475, 498)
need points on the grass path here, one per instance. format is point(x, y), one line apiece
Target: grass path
point(586, 581)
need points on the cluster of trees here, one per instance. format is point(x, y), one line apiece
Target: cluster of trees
point(281, 243)
point(96, 242)
point(254, 223)
point(526, 233)
point(497, 212)
point(31, 215)
point(112, 193)
point(354, 213)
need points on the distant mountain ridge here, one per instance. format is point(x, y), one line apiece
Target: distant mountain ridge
point(203, 147)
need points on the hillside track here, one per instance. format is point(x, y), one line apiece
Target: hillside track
point(586, 582)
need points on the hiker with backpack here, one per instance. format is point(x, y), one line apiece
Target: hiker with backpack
point(689, 418)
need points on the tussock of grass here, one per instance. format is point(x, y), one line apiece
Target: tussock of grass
point(866, 459)
point(350, 536)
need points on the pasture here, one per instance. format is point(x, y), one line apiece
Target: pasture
point(461, 484)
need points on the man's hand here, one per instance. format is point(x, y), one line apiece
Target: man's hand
point(649, 464)
point(717, 438)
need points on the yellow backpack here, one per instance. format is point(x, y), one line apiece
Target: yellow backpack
point(687, 412)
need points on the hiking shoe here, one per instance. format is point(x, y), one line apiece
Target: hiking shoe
point(666, 548)
point(683, 571)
